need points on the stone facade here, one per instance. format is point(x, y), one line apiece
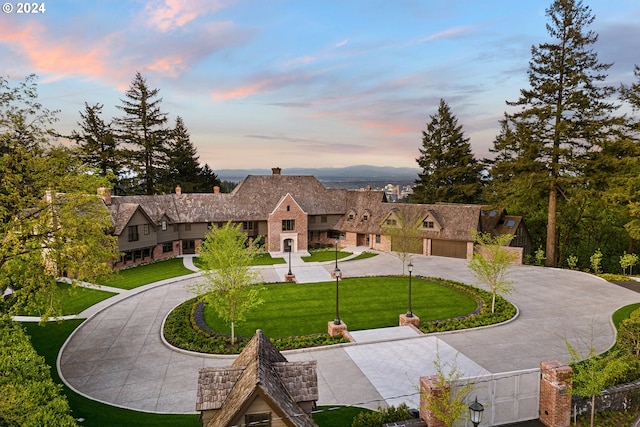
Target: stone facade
point(555, 400)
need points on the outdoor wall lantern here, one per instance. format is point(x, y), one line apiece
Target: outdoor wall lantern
point(336, 272)
point(410, 268)
point(475, 412)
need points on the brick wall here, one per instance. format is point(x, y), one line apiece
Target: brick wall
point(288, 209)
point(428, 389)
point(555, 401)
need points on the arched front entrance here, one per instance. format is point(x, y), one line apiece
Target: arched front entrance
point(289, 242)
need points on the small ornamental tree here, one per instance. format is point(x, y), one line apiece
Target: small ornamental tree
point(593, 373)
point(627, 261)
point(406, 236)
point(490, 263)
point(450, 404)
point(229, 285)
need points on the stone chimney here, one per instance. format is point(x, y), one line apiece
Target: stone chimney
point(276, 171)
point(105, 193)
point(178, 190)
point(216, 190)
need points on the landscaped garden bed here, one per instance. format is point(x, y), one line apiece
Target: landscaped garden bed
point(296, 316)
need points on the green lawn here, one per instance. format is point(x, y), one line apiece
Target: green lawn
point(260, 259)
point(74, 299)
point(365, 303)
point(363, 255)
point(145, 274)
point(47, 341)
point(324, 255)
point(623, 313)
point(336, 416)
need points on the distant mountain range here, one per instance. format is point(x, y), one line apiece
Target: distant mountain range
point(360, 173)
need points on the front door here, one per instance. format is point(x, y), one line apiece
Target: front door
point(188, 247)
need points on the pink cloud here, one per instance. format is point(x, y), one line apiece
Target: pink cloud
point(167, 15)
point(241, 92)
point(57, 56)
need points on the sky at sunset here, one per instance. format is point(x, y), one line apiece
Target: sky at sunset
point(307, 83)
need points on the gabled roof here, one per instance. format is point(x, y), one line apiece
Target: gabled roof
point(456, 220)
point(123, 214)
point(259, 371)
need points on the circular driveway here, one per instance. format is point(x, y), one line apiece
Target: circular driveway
point(117, 356)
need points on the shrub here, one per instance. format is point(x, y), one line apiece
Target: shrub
point(382, 416)
point(28, 395)
point(482, 316)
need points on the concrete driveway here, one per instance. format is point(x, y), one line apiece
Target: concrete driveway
point(117, 355)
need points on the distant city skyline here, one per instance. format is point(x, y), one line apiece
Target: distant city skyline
point(299, 83)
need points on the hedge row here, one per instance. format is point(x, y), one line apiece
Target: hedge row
point(482, 316)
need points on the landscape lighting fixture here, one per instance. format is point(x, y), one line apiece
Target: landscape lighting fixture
point(475, 412)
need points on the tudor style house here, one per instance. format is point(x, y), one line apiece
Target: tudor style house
point(295, 213)
point(260, 388)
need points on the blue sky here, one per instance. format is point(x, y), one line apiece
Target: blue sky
point(305, 83)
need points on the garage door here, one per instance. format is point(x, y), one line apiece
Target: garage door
point(449, 248)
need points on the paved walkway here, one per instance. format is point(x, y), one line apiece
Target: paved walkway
point(117, 355)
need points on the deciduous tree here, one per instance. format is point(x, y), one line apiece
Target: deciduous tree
point(52, 222)
point(490, 263)
point(230, 285)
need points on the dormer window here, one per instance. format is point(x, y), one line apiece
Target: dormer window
point(391, 222)
point(350, 218)
point(428, 224)
point(365, 217)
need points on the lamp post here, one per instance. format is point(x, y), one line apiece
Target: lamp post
point(336, 253)
point(475, 412)
point(336, 272)
point(289, 273)
point(410, 268)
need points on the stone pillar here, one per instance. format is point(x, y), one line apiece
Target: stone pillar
point(428, 388)
point(555, 401)
point(406, 321)
point(334, 329)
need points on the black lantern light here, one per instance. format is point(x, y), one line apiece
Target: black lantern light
point(336, 272)
point(410, 268)
point(475, 412)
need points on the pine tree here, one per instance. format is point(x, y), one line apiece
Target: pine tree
point(207, 179)
point(183, 167)
point(565, 113)
point(142, 129)
point(97, 142)
point(450, 173)
point(630, 182)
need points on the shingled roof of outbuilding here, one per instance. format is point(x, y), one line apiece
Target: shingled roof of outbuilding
point(456, 220)
point(261, 371)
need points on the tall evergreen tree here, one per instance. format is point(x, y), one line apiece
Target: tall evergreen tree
point(450, 173)
point(630, 188)
point(97, 142)
point(183, 167)
point(142, 129)
point(564, 114)
point(207, 179)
